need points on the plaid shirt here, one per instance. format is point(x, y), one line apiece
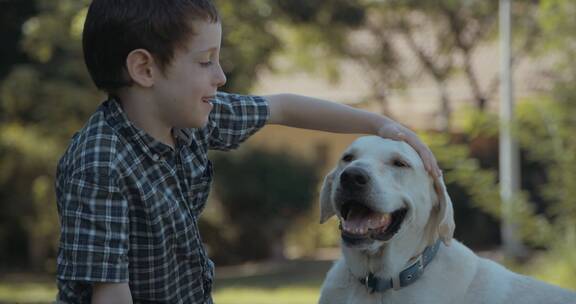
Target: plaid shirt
point(129, 205)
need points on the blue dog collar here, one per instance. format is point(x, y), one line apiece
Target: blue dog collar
point(406, 277)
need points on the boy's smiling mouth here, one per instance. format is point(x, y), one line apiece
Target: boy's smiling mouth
point(208, 99)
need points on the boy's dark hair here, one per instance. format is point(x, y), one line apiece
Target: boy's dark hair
point(114, 28)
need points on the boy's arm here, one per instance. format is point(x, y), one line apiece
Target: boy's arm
point(94, 226)
point(111, 294)
point(234, 119)
point(316, 114)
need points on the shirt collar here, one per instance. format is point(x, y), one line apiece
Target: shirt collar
point(118, 120)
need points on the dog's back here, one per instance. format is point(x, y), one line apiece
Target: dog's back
point(494, 283)
point(457, 276)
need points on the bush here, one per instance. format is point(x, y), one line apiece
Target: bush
point(261, 194)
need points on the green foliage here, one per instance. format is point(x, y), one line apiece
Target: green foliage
point(315, 33)
point(557, 20)
point(547, 127)
point(42, 102)
point(471, 188)
point(476, 124)
point(262, 193)
point(13, 13)
point(400, 41)
point(306, 235)
point(545, 211)
point(547, 132)
point(248, 41)
point(544, 137)
point(558, 264)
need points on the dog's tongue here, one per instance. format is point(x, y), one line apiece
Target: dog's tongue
point(360, 220)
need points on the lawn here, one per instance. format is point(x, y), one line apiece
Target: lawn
point(292, 282)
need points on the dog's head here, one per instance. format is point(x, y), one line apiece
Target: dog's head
point(380, 190)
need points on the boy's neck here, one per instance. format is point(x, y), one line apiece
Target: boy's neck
point(143, 113)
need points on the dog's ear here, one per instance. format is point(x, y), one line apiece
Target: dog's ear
point(446, 224)
point(326, 208)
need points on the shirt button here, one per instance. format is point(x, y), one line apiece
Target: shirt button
point(155, 157)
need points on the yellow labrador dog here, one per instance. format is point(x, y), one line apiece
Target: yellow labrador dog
point(396, 228)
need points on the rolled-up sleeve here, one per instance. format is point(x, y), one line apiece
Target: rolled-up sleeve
point(94, 238)
point(235, 118)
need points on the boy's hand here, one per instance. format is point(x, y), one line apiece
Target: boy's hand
point(393, 130)
point(316, 114)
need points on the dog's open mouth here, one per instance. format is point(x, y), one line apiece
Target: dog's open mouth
point(360, 223)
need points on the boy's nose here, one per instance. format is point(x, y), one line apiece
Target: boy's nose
point(220, 77)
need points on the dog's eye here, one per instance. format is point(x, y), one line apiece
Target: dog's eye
point(348, 158)
point(400, 163)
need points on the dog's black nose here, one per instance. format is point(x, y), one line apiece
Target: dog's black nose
point(354, 178)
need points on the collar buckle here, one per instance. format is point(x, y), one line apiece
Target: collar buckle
point(420, 262)
point(370, 282)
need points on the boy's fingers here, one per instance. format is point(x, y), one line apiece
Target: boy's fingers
point(430, 163)
point(423, 151)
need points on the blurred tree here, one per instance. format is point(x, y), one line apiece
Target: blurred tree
point(322, 33)
point(545, 127)
point(39, 101)
point(13, 13)
point(248, 41)
point(262, 194)
point(443, 37)
point(470, 185)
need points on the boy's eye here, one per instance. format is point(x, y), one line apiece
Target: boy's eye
point(206, 64)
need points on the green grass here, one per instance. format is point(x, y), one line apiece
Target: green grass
point(289, 295)
point(27, 292)
point(45, 293)
point(292, 282)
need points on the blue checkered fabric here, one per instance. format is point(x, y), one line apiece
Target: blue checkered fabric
point(129, 205)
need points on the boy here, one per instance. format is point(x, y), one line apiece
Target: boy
point(135, 179)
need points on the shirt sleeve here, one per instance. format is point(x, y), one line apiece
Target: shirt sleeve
point(94, 229)
point(235, 118)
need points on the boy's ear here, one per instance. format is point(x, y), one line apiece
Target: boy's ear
point(140, 66)
point(326, 208)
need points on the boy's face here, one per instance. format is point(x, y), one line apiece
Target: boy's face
point(191, 80)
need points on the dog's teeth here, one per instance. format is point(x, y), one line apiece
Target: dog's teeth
point(385, 219)
point(347, 226)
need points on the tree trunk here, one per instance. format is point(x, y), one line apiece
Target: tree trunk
point(479, 98)
point(278, 250)
point(37, 249)
point(445, 114)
